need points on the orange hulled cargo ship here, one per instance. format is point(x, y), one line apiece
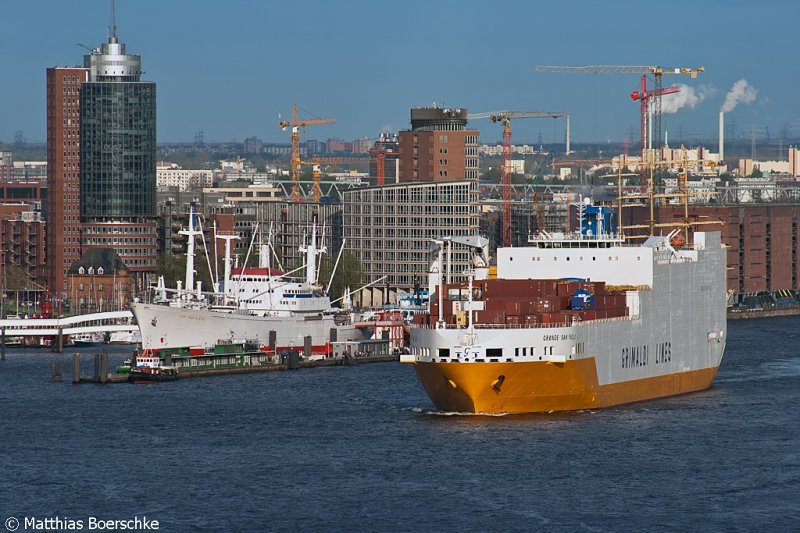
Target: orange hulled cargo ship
point(576, 321)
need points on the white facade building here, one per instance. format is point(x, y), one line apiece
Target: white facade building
point(171, 175)
point(389, 228)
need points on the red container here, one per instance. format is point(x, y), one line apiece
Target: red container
point(531, 320)
point(547, 304)
point(550, 287)
point(598, 288)
point(567, 288)
point(554, 318)
point(490, 317)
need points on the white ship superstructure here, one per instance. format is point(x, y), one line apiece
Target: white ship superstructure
point(255, 303)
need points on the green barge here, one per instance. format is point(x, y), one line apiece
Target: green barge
point(225, 358)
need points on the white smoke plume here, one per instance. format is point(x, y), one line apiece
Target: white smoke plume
point(686, 97)
point(741, 93)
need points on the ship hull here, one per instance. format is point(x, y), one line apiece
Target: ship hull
point(152, 375)
point(669, 340)
point(174, 327)
point(530, 387)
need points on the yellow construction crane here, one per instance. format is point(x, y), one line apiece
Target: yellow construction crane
point(296, 124)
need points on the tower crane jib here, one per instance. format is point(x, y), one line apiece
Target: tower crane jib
point(296, 124)
point(505, 117)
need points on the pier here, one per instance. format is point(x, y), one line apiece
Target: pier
point(107, 322)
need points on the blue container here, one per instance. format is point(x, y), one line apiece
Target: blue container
point(582, 300)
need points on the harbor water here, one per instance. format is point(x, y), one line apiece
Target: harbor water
point(362, 449)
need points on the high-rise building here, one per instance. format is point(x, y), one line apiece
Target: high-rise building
point(439, 147)
point(118, 157)
point(63, 173)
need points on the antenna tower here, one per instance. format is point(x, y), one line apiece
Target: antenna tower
point(112, 27)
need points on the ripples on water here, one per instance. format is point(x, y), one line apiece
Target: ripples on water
point(362, 448)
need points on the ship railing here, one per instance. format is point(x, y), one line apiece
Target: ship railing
point(575, 236)
point(528, 326)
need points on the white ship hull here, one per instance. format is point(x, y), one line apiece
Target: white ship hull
point(125, 337)
point(163, 326)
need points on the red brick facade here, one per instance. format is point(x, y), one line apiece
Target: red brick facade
point(63, 174)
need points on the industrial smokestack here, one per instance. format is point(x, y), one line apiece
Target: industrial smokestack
point(721, 136)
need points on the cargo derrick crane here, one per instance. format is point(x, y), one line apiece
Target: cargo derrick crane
point(296, 124)
point(682, 195)
point(505, 117)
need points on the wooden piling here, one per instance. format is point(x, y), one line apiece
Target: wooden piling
point(57, 370)
point(307, 346)
point(76, 368)
point(104, 367)
point(59, 344)
point(293, 360)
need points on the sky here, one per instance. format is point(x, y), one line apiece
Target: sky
point(231, 68)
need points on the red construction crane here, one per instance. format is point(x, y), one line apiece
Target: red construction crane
point(380, 152)
point(645, 97)
point(296, 124)
point(656, 71)
point(505, 118)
